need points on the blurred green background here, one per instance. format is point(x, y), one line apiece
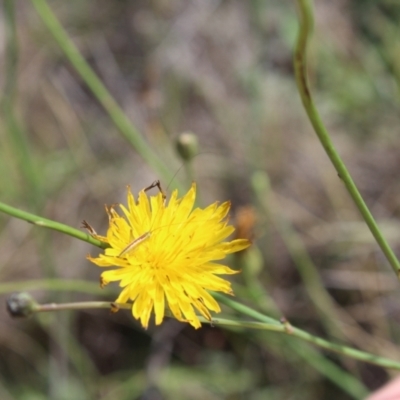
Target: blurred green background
point(223, 70)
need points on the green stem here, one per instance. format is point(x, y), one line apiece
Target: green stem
point(21, 147)
point(114, 111)
point(300, 67)
point(58, 285)
point(288, 329)
point(48, 223)
point(263, 323)
point(90, 287)
point(83, 305)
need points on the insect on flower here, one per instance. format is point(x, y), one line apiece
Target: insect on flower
point(145, 235)
point(164, 255)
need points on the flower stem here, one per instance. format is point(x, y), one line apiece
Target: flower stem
point(300, 67)
point(262, 322)
point(117, 115)
point(22, 154)
point(286, 328)
point(58, 285)
point(48, 223)
point(84, 305)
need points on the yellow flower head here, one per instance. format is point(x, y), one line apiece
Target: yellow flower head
point(163, 255)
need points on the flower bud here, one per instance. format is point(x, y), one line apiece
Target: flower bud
point(187, 145)
point(21, 305)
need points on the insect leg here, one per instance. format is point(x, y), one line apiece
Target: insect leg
point(157, 184)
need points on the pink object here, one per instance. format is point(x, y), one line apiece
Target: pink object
point(391, 391)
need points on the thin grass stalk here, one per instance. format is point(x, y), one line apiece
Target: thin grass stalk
point(116, 114)
point(300, 66)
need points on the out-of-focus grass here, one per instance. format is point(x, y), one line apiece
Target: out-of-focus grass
point(222, 70)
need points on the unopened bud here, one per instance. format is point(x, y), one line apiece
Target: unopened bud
point(187, 145)
point(21, 305)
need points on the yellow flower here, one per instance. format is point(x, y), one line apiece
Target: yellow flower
point(163, 255)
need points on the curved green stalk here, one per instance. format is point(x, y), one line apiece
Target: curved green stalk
point(300, 67)
point(101, 93)
point(48, 223)
point(286, 328)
